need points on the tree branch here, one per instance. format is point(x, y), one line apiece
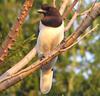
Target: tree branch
point(13, 79)
point(70, 9)
point(54, 3)
point(92, 14)
point(13, 33)
point(20, 64)
point(71, 22)
point(63, 6)
point(72, 19)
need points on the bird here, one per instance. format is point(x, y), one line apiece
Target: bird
point(51, 34)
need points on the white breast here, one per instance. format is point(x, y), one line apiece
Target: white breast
point(49, 38)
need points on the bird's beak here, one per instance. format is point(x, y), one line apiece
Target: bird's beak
point(41, 11)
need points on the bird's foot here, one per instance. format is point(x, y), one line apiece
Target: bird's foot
point(42, 57)
point(64, 40)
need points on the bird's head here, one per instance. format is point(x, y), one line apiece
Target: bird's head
point(52, 17)
point(48, 10)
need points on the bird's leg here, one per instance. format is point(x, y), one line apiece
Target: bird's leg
point(64, 39)
point(42, 57)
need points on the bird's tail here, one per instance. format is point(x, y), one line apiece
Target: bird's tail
point(46, 80)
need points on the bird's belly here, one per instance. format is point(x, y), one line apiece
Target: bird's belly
point(49, 38)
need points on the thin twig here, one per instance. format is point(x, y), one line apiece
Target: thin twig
point(54, 3)
point(73, 18)
point(71, 22)
point(86, 12)
point(81, 38)
point(63, 6)
point(70, 9)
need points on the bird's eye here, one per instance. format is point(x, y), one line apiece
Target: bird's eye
point(48, 8)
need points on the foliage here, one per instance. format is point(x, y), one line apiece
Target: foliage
point(77, 72)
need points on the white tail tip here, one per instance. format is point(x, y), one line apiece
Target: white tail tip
point(46, 81)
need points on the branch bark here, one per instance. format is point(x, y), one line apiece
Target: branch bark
point(63, 6)
point(20, 64)
point(86, 22)
point(73, 18)
point(54, 3)
point(69, 9)
point(13, 33)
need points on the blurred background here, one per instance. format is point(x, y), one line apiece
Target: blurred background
point(77, 72)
